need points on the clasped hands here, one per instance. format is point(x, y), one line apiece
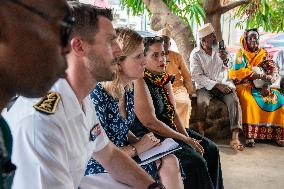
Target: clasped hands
point(223, 88)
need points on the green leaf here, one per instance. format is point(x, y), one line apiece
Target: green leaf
point(270, 16)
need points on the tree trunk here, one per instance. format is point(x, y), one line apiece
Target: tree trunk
point(181, 34)
point(163, 18)
point(214, 9)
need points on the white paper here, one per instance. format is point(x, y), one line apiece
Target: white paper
point(166, 147)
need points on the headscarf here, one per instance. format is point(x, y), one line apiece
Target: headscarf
point(243, 40)
point(245, 59)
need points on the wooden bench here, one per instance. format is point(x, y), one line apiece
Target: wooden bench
point(217, 125)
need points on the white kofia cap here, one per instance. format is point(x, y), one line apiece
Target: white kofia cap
point(205, 30)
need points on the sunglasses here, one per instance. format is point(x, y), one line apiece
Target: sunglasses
point(66, 24)
point(148, 41)
point(151, 40)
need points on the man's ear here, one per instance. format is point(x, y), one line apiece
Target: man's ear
point(77, 46)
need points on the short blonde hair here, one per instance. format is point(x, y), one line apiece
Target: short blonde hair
point(128, 40)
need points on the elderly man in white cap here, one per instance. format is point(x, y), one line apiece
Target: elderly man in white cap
point(182, 85)
point(209, 68)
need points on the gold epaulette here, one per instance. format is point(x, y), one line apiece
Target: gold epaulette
point(48, 103)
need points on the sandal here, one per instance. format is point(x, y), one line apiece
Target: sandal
point(280, 143)
point(236, 145)
point(250, 143)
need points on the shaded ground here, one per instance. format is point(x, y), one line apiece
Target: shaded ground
point(261, 167)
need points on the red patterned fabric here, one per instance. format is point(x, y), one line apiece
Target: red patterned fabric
point(263, 132)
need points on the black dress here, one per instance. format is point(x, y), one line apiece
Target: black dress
point(202, 172)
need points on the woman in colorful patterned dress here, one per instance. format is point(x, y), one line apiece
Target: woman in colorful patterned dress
point(114, 103)
point(253, 72)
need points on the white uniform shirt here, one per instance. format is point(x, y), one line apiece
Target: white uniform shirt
point(208, 70)
point(51, 151)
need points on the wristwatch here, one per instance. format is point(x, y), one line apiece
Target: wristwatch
point(156, 184)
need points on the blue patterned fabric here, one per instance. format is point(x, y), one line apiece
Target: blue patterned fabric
point(114, 124)
point(240, 63)
point(272, 102)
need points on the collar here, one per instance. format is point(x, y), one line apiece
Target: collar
point(70, 102)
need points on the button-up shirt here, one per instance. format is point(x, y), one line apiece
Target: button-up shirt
point(52, 150)
point(208, 70)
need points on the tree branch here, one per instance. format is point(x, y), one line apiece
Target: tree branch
point(230, 6)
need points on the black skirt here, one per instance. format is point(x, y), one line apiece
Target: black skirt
point(201, 172)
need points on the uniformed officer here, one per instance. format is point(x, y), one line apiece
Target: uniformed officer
point(56, 135)
point(32, 45)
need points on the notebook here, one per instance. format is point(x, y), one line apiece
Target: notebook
point(166, 147)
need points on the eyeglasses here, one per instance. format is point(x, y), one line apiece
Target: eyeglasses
point(66, 24)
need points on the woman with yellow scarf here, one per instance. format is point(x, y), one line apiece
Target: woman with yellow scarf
point(253, 72)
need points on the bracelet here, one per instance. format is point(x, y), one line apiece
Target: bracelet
point(134, 150)
point(155, 185)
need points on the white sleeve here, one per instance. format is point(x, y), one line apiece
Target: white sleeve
point(101, 181)
point(197, 73)
point(41, 155)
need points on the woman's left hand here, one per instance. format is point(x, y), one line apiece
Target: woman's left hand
point(147, 142)
point(196, 145)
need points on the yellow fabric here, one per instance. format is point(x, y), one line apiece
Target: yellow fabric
point(253, 59)
point(177, 67)
point(182, 86)
point(252, 113)
point(260, 119)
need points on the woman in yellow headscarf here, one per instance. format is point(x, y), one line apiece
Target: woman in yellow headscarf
point(253, 72)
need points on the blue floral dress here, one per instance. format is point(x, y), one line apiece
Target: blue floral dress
point(115, 126)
